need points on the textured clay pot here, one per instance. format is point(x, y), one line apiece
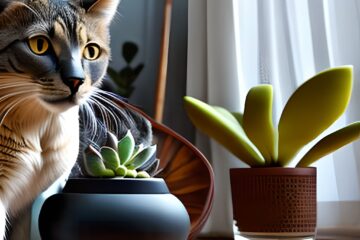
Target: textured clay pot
point(114, 209)
point(274, 202)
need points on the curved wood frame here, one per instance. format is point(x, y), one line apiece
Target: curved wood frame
point(164, 58)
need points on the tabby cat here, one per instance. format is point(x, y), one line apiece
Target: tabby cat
point(53, 56)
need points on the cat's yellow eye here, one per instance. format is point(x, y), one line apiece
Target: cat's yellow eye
point(39, 44)
point(92, 51)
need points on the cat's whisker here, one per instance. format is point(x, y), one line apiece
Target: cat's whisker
point(109, 98)
point(88, 114)
point(111, 95)
point(9, 95)
point(96, 128)
point(114, 125)
point(16, 91)
point(110, 111)
point(103, 96)
point(11, 107)
point(15, 84)
point(111, 120)
point(14, 76)
point(117, 115)
point(9, 104)
point(100, 107)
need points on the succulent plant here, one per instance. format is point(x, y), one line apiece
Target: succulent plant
point(121, 158)
point(311, 109)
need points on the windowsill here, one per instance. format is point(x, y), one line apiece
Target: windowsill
point(338, 233)
point(336, 220)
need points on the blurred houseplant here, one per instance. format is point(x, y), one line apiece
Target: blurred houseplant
point(254, 139)
point(125, 78)
point(118, 200)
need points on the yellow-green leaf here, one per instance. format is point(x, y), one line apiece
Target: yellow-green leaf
point(330, 143)
point(227, 114)
point(208, 120)
point(239, 117)
point(257, 120)
point(312, 108)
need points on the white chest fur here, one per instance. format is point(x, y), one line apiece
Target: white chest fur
point(47, 146)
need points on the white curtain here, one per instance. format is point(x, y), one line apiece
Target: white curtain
point(236, 44)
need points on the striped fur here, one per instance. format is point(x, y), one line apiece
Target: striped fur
point(40, 98)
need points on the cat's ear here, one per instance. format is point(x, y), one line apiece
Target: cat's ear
point(105, 9)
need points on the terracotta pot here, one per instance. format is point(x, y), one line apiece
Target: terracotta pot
point(274, 202)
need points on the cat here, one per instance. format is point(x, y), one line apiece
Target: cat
point(53, 57)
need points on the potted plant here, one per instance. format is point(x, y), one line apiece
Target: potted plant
point(119, 199)
point(271, 198)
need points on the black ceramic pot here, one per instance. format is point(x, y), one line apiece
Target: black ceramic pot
point(105, 209)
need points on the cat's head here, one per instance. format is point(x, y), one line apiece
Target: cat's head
point(56, 51)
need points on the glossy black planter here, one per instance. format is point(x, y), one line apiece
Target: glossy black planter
point(114, 209)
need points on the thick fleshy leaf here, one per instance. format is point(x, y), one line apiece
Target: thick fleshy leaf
point(227, 114)
point(257, 120)
point(111, 141)
point(94, 165)
point(312, 108)
point(110, 158)
point(239, 117)
point(131, 173)
point(223, 130)
point(142, 157)
point(121, 171)
point(330, 143)
point(126, 147)
point(142, 174)
point(137, 150)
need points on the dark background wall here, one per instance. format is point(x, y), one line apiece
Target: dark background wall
point(140, 21)
point(174, 114)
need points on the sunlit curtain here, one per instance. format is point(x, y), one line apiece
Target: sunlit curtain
point(236, 44)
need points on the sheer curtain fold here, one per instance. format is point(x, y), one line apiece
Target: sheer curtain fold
point(236, 44)
point(212, 77)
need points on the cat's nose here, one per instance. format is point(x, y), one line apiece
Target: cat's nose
point(72, 74)
point(74, 84)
